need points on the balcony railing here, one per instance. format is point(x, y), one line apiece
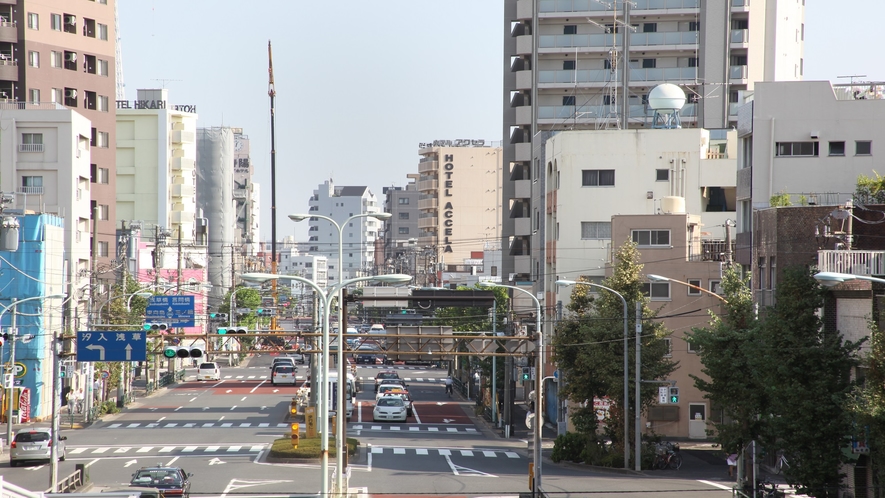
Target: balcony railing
point(711, 250)
point(30, 147)
point(565, 76)
point(596, 6)
point(602, 40)
point(31, 190)
point(854, 262)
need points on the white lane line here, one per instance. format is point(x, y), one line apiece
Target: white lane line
point(190, 400)
point(490, 454)
point(246, 424)
point(208, 424)
point(166, 449)
point(77, 451)
point(511, 454)
point(376, 449)
point(415, 414)
point(263, 424)
point(232, 449)
point(171, 461)
point(413, 428)
point(376, 427)
point(164, 418)
point(175, 410)
point(256, 387)
point(395, 427)
point(211, 448)
point(132, 426)
point(257, 447)
point(421, 451)
point(151, 425)
point(433, 429)
point(114, 426)
point(99, 450)
point(189, 424)
point(233, 408)
point(243, 398)
point(715, 484)
point(189, 449)
point(359, 412)
point(445, 453)
point(451, 465)
point(171, 424)
point(239, 376)
point(451, 429)
point(470, 429)
point(144, 449)
point(227, 424)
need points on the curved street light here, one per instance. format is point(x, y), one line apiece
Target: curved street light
point(626, 407)
point(829, 278)
point(326, 297)
point(539, 384)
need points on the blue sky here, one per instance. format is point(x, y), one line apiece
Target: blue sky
point(360, 84)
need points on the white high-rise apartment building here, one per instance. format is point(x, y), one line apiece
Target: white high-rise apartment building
point(563, 70)
point(340, 203)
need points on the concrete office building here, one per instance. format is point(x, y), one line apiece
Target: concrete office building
point(340, 203)
point(156, 165)
point(215, 179)
point(563, 70)
point(460, 196)
point(401, 230)
point(594, 175)
point(57, 51)
point(246, 196)
point(806, 142)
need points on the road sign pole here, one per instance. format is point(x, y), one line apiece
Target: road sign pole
point(11, 391)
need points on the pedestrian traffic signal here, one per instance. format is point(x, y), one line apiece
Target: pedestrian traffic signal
point(674, 395)
point(526, 373)
point(155, 327)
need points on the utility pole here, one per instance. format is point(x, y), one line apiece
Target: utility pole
point(90, 366)
point(10, 392)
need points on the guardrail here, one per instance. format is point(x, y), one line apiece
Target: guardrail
point(72, 482)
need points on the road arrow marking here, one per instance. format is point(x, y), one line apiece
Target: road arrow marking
point(459, 470)
point(229, 390)
point(439, 403)
point(216, 461)
point(100, 349)
point(130, 462)
point(128, 349)
point(264, 407)
point(36, 468)
point(205, 408)
point(276, 391)
point(448, 420)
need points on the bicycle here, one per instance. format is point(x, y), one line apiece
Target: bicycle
point(449, 390)
point(781, 463)
point(667, 456)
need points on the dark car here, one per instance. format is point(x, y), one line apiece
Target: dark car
point(173, 481)
point(384, 376)
point(369, 354)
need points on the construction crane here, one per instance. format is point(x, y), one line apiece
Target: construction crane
point(271, 92)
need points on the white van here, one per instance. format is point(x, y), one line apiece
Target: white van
point(350, 389)
point(208, 370)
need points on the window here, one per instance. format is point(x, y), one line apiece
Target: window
point(650, 27)
point(58, 95)
point(596, 230)
point(55, 59)
point(33, 20)
point(55, 22)
point(607, 100)
point(649, 63)
point(691, 347)
point(32, 185)
point(404, 216)
point(669, 345)
point(662, 175)
point(738, 60)
point(696, 282)
point(837, 148)
point(863, 148)
point(103, 212)
point(570, 29)
point(102, 67)
point(103, 139)
point(650, 238)
point(99, 175)
point(568, 100)
point(797, 149)
point(657, 291)
point(102, 103)
point(34, 95)
point(403, 230)
point(715, 287)
point(102, 249)
point(403, 200)
point(31, 142)
point(598, 178)
point(103, 32)
point(694, 26)
point(33, 58)
point(740, 24)
point(568, 65)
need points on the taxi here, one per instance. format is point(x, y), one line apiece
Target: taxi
point(404, 395)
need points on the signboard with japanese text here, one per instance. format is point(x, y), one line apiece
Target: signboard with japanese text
point(111, 345)
point(177, 311)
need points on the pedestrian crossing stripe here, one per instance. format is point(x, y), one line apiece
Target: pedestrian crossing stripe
point(266, 425)
point(381, 450)
point(92, 450)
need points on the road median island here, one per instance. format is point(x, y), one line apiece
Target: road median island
point(308, 449)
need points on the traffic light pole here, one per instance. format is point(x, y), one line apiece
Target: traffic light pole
point(11, 388)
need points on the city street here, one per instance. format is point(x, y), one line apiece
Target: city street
point(221, 431)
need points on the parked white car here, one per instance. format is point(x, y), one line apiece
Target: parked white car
point(208, 371)
point(35, 444)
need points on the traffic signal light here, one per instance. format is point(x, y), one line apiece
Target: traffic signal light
point(674, 395)
point(189, 353)
point(170, 352)
point(295, 435)
point(3, 338)
point(222, 317)
point(155, 327)
point(63, 371)
point(526, 373)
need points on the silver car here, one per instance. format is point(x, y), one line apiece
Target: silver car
point(35, 444)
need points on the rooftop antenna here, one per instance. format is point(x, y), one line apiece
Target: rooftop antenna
point(163, 80)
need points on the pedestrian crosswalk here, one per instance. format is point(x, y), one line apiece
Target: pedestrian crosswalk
point(413, 428)
point(384, 450)
point(160, 449)
point(409, 428)
point(362, 378)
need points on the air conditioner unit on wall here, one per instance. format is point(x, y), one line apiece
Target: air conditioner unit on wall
point(71, 56)
point(70, 19)
point(70, 94)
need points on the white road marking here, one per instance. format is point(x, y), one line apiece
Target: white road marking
point(227, 424)
point(715, 484)
point(166, 449)
point(256, 387)
point(124, 449)
point(151, 425)
point(263, 424)
point(132, 426)
point(376, 427)
point(399, 451)
point(246, 424)
point(163, 418)
point(445, 453)
point(243, 398)
point(466, 453)
point(77, 451)
point(169, 464)
point(171, 424)
point(490, 454)
point(415, 414)
point(114, 426)
point(190, 424)
point(189, 449)
point(376, 449)
point(421, 451)
point(144, 449)
point(239, 376)
point(99, 450)
point(216, 461)
point(395, 427)
point(433, 429)
point(451, 465)
point(413, 428)
point(211, 448)
point(511, 454)
point(232, 449)
point(233, 407)
point(130, 462)
point(451, 429)
point(209, 424)
point(179, 408)
point(257, 448)
point(190, 400)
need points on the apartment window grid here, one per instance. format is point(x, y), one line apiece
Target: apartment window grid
point(669, 344)
point(103, 140)
point(715, 286)
point(55, 59)
point(651, 238)
point(657, 291)
point(598, 178)
point(691, 347)
point(403, 216)
point(662, 175)
point(103, 32)
point(58, 95)
point(696, 282)
point(31, 142)
point(403, 230)
point(837, 148)
point(34, 95)
point(33, 20)
point(103, 211)
point(863, 148)
point(32, 185)
point(102, 247)
point(596, 230)
point(55, 22)
point(103, 103)
point(102, 67)
point(33, 58)
point(797, 149)
point(403, 200)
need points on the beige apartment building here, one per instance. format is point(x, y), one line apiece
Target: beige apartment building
point(459, 198)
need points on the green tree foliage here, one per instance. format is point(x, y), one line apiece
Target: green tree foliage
point(474, 319)
point(870, 190)
point(724, 349)
point(246, 298)
point(804, 369)
point(868, 402)
point(588, 347)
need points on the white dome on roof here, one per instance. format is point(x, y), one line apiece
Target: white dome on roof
point(666, 96)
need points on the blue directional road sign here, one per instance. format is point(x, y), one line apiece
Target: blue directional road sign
point(111, 345)
point(177, 311)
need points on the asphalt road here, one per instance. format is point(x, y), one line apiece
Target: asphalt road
point(220, 431)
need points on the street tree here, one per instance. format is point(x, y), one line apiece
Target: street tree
point(588, 348)
point(867, 404)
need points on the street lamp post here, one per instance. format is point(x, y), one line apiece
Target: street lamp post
point(830, 279)
point(539, 383)
point(11, 388)
point(340, 442)
point(326, 298)
point(626, 408)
